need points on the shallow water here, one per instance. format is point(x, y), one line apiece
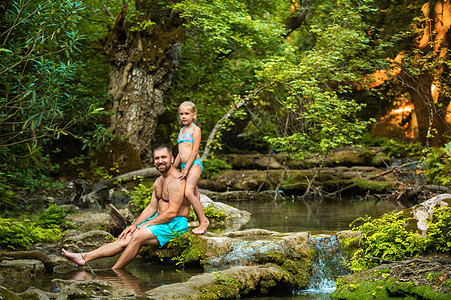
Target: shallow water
point(282, 216)
point(312, 216)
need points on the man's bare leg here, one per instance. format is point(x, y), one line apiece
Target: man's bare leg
point(140, 237)
point(107, 250)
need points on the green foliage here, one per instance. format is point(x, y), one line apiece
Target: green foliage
point(224, 279)
point(213, 166)
point(439, 230)
point(210, 212)
point(225, 42)
point(141, 196)
point(323, 118)
point(193, 248)
point(28, 229)
point(387, 238)
point(46, 89)
point(87, 168)
point(7, 194)
point(393, 147)
point(52, 218)
point(438, 162)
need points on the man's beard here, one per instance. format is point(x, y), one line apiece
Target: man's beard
point(165, 168)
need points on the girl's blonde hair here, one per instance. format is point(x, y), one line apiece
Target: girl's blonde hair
point(190, 105)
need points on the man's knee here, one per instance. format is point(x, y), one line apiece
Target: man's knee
point(140, 236)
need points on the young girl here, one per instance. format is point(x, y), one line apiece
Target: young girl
point(190, 162)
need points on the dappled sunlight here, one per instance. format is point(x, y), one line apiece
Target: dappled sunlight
point(401, 120)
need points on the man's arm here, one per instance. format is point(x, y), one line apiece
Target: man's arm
point(176, 191)
point(149, 211)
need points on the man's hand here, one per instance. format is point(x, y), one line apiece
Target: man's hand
point(129, 230)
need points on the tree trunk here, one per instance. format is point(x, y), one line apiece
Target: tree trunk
point(144, 54)
point(427, 89)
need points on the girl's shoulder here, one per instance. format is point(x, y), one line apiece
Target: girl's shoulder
point(196, 129)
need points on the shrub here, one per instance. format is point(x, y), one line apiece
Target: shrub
point(141, 196)
point(212, 166)
point(438, 162)
point(210, 213)
point(387, 238)
point(24, 233)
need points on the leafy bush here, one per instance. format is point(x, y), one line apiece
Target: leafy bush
point(45, 226)
point(393, 148)
point(438, 162)
point(23, 233)
point(141, 196)
point(212, 166)
point(52, 217)
point(7, 194)
point(210, 212)
point(439, 230)
point(387, 238)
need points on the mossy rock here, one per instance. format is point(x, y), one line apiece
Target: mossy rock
point(228, 284)
point(413, 279)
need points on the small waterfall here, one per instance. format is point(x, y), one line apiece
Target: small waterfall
point(327, 266)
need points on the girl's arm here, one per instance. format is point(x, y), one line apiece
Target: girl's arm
point(177, 161)
point(194, 150)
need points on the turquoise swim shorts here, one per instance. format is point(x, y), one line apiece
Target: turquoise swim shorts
point(165, 232)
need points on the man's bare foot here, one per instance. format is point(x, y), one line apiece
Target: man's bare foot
point(202, 228)
point(76, 258)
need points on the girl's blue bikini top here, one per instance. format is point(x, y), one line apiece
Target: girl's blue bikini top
point(186, 137)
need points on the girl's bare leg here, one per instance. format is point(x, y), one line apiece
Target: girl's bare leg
point(193, 195)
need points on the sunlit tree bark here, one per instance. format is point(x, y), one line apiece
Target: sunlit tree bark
point(429, 88)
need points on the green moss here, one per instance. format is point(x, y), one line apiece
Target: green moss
point(447, 284)
point(385, 288)
point(299, 272)
point(376, 186)
point(225, 287)
point(193, 248)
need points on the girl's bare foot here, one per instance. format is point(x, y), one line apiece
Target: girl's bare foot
point(202, 228)
point(76, 258)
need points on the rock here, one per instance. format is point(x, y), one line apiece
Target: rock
point(423, 211)
point(252, 161)
point(76, 242)
point(90, 219)
point(256, 246)
point(21, 268)
point(7, 294)
point(234, 218)
point(412, 279)
point(89, 289)
point(229, 284)
point(37, 294)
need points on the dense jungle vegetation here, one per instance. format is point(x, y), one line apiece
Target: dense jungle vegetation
point(302, 77)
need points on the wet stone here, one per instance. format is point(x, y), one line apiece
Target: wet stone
point(24, 268)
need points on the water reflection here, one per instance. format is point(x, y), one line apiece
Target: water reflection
point(122, 278)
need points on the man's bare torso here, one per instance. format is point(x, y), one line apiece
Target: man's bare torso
point(161, 189)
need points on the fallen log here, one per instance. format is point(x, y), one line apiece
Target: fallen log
point(99, 191)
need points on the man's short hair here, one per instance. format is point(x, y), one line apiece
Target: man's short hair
point(163, 147)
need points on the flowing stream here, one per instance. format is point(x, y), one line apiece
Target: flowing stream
point(322, 220)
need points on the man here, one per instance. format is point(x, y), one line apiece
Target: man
point(166, 215)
